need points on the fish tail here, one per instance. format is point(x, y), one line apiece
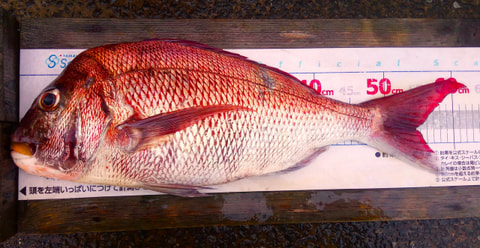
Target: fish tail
point(398, 116)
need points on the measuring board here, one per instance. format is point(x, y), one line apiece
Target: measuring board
point(351, 75)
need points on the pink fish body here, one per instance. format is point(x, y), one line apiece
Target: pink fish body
point(176, 116)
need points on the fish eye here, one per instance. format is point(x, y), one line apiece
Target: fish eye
point(49, 100)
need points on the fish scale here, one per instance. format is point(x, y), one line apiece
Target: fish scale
point(174, 116)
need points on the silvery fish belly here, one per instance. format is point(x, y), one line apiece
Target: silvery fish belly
point(176, 116)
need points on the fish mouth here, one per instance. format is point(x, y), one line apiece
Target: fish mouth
point(24, 161)
point(31, 165)
point(23, 148)
point(23, 155)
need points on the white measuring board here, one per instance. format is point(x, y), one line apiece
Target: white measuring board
point(351, 75)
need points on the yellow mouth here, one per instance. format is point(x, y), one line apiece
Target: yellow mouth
point(31, 165)
point(22, 148)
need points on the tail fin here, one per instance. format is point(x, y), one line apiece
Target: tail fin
point(399, 116)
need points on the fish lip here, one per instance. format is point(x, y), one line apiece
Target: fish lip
point(32, 165)
point(24, 148)
point(20, 161)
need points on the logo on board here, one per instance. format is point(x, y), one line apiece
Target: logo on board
point(60, 60)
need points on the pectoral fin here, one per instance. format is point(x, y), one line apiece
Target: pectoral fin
point(154, 129)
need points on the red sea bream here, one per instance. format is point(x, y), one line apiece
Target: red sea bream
point(177, 116)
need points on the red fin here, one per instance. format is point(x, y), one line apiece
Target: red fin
point(306, 161)
point(177, 189)
point(155, 128)
point(401, 114)
point(202, 46)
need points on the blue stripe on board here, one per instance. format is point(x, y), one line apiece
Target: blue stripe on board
point(381, 71)
point(324, 72)
point(39, 75)
point(430, 143)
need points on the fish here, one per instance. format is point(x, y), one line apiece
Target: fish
point(180, 117)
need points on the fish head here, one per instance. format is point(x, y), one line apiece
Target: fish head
point(61, 132)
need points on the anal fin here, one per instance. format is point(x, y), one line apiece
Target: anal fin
point(304, 162)
point(177, 189)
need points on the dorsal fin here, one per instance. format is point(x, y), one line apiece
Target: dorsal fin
point(226, 53)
